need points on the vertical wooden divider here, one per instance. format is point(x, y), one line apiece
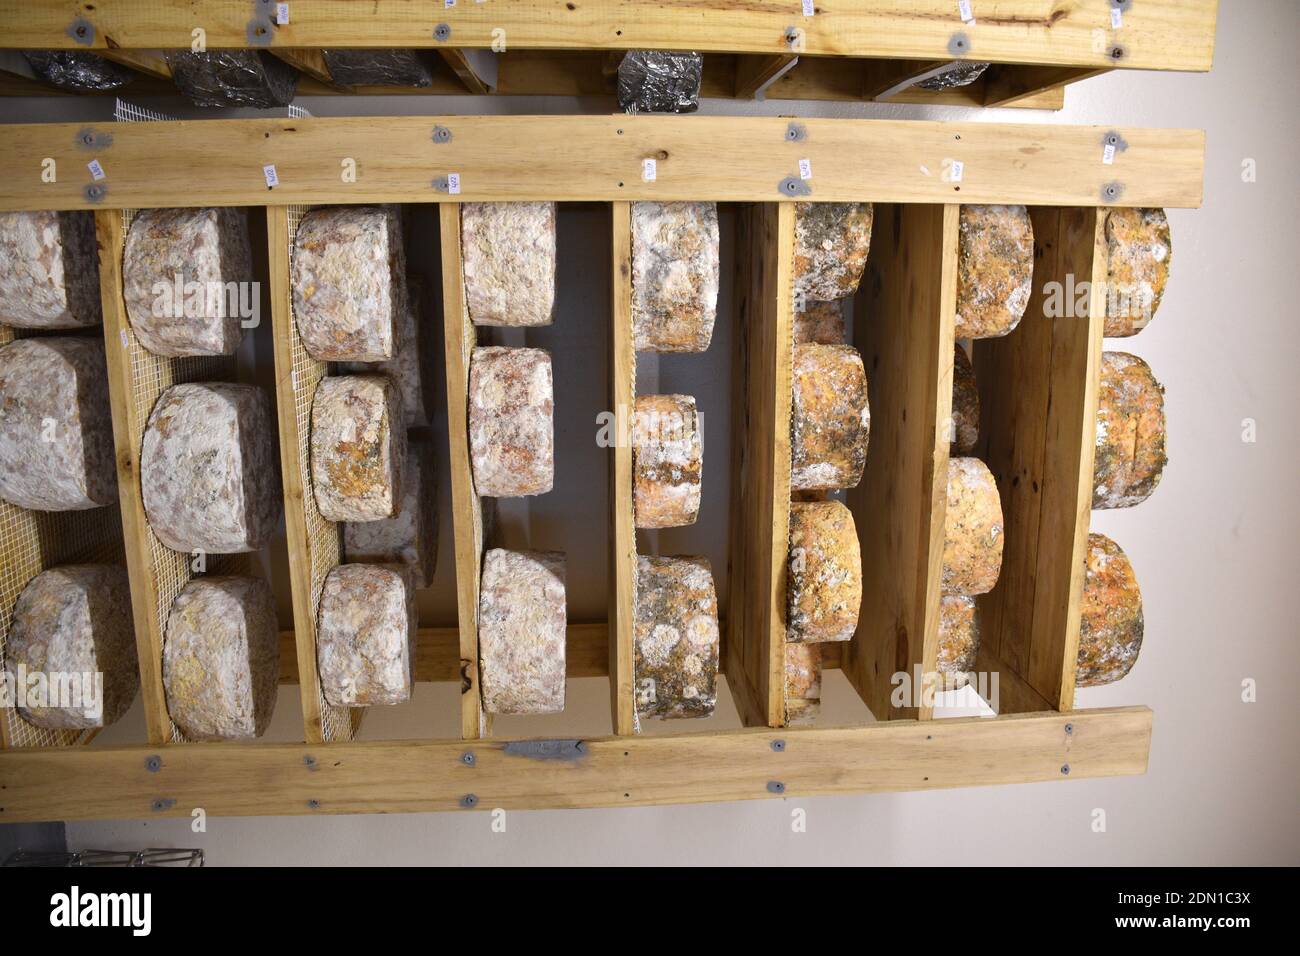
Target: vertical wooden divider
point(622, 531)
point(754, 656)
point(466, 509)
point(903, 326)
point(1038, 410)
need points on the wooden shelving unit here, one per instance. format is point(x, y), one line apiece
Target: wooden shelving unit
point(1040, 400)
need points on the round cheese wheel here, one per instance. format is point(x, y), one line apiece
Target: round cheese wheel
point(674, 275)
point(358, 447)
point(410, 537)
point(1130, 455)
point(521, 632)
point(972, 547)
point(819, 323)
point(995, 269)
point(1110, 615)
point(803, 682)
point(831, 242)
point(676, 639)
point(508, 250)
point(49, 270)
point(1138, 252)
point(830, 418)
point(366, 626)
point(824, 584)
point(965, 404)
point(959, 640)
point(511, 421)
point(667, 461)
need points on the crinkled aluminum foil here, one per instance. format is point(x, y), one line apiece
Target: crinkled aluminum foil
point(377, 68)
point(652, 81)
point(78, 72)
point(234, 78)
point(962, 74)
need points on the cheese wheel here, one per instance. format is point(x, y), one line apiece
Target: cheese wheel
point(521, 632)
point(995, 269)
point(1130, 456)
point(674, 275)
point(1138, 252)
point(509, 262)
point(1110, 615)
point(972, 528)
point(358, 447)
point(819, 323)
point(187, 279)
point(511, 421)
point(965, 404)
point(831, 242)
point(349, 282)
point(675, 638)
point(221, 658)
point(410, 537)
point(830, 418)
point(73, 624)
point(803, 682)
point(366, 626)
point(667, 461)
point(959, 640)
point(410, 365)
point(56, 431)
point(825, 573)
point(49, 270)
point(209, 472)
point(234, 77)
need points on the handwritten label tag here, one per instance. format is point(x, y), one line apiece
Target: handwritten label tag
point(121, 334)
point(808, 8)
point(649, 170)
point(272, 178)
point(448, 3)
point(1116, 18)
point(96, 170)
point(1108, 154)
point(805, 169)
point(956, 171)
point(964, 11)
point(282, 13)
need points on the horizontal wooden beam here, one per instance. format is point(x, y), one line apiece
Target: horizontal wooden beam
point(1155, 34)
point(411, 776)
point(592, 158)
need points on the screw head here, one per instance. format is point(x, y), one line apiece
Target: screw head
point(775, 786)
point(778, 745)
point(313, 804)
point(1069, 728)
point(153, 763)
point(1065, 769)
point(442, 32)
point(469, 800)
point(467, 759)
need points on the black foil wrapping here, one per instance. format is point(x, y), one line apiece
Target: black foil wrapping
point(377, 68)
point(651, 81)
point(234, 78)
point(78, 72)
point(962, 74)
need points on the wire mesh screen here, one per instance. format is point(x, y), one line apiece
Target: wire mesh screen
point(323, 548)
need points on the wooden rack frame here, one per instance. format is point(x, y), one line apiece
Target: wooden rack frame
point(1040, 397)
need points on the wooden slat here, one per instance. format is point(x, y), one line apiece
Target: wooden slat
point(754, 74)
point(1156, 34)
point(622, 532)
point(881, 76)
point(1038, 404)
point(410, 775)
point(1009, 86)
point(221, 162)
point(149, 62)
point(903, 326)
point(760, 477)
point(476, 69)
point(466, 510)
point(308, 61)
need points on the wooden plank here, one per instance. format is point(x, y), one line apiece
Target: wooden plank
point(1156, 34)
point(754, 74)
point(760, 478)
point(903, 325)
point(597, 158)
point(1011, 85)
point(466, 510)
point(308, 61)
point(149, 62)
point(415, 776)
point(882, 76)
point(622, 534)
point(1038, 398)
point(476, 69)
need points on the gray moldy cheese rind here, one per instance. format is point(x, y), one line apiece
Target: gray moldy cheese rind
point(995, 269)
point(49, 270)
point(819, 323)
point(187, 275)
point(511, 421)
point(831, 243)
point(411, 364)
point(674, 275)
point(349, 282)
point(366, 628)
point(675, 638)
point(410, 537)
point(56, 430)
point(965, 404)
point(209, 468)
point(972, 546)
point(959, 640)
point(508, 251)
point(1110, 615)
point(1138, 253)
point(830, 418)
point(667, 461)
point(824, 584)
point(358, 447)
point(803, 682)
point(1130, 455)
point(521, 632)
point(221, 658)
point(76, 620)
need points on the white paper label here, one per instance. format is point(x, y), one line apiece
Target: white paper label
point(282, 13)
point(453, 184)
point(648, 170)
point(272, 180)
point(1108, 154)
point(956, 170)
point(805, 169)
point(121, 334)
point(449, 3)
point(964, 11)
point(1116, 18)
point(808, 8)
point(96, 170)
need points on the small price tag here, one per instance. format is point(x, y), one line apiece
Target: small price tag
point(453, 184)
point(957, 170)
point(964, 11)
point(1116, 18)
point(808, 8)
point(272, 178)
point(648, 170)
point(805, 169)
point(1108, 154)
point(282, 13)
point(96, 170)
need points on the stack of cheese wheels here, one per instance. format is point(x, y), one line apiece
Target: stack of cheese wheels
point(674, 275)
point(221, 658)
point(511, 421)
point(366, 626)
point(56, 432)
point(1130, 453)
point(412, 357)
point(208, 468)
point(75, 619)
point(187, 280)
point(667, 461)
point(1138, 252)
point(676, 639)
point(1110, 615)
point(819, 322)
point(508, 250)
point(995, 270)
point(830, 418)
point(521, 632)
point(410, 537)
point(49, 270)
point(358, 447)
